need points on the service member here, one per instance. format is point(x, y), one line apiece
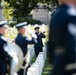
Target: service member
point(62, 39)
point(39, 45)
point(4, 56)
point(22, 41)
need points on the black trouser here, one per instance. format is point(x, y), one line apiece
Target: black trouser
point(37, 50)
point(21, 71)
point(2, 74)
point(58, 63)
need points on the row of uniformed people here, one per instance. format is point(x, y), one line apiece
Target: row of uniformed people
point(21, 40)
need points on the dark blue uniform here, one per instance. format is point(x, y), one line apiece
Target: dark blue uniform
point(22, 42)
point(38, 46)
point(62, 40)
point(4, 57)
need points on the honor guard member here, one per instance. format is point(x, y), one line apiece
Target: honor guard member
point(62, 39)
point(22, 41)
point(39, 45)
point(4, 56)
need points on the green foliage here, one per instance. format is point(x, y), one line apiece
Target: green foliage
point(28, 20)
point(0, 1)
point(7, 11)
point(12, 24)
point(21, 8)
point(32, 21)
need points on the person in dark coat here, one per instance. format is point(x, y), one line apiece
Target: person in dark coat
point(38, 47)
point(22, 41)
point(4, 56)
point(62, 39)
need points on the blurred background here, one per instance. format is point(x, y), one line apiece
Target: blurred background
point(34, 12)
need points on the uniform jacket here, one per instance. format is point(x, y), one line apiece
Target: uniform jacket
point(3, 55)
point(22, 42)
point(62, 27)
point(39, 40)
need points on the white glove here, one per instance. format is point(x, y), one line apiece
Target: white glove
point(31, 32)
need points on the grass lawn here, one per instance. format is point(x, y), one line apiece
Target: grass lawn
point(47, 67)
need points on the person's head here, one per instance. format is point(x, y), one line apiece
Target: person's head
point(37, 29)
point(21, 27)
point(21, 30)
point(73, 2)
point(3, 27)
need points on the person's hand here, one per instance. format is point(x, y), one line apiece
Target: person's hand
point(42, 32)
point(34, 36)
point(35, 40)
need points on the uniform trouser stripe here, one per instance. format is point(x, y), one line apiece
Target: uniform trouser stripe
point(70, 66)
point(74, 74)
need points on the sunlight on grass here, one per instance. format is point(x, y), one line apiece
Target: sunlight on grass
point(47, 67)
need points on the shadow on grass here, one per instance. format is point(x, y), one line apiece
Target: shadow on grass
point(47, 67)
